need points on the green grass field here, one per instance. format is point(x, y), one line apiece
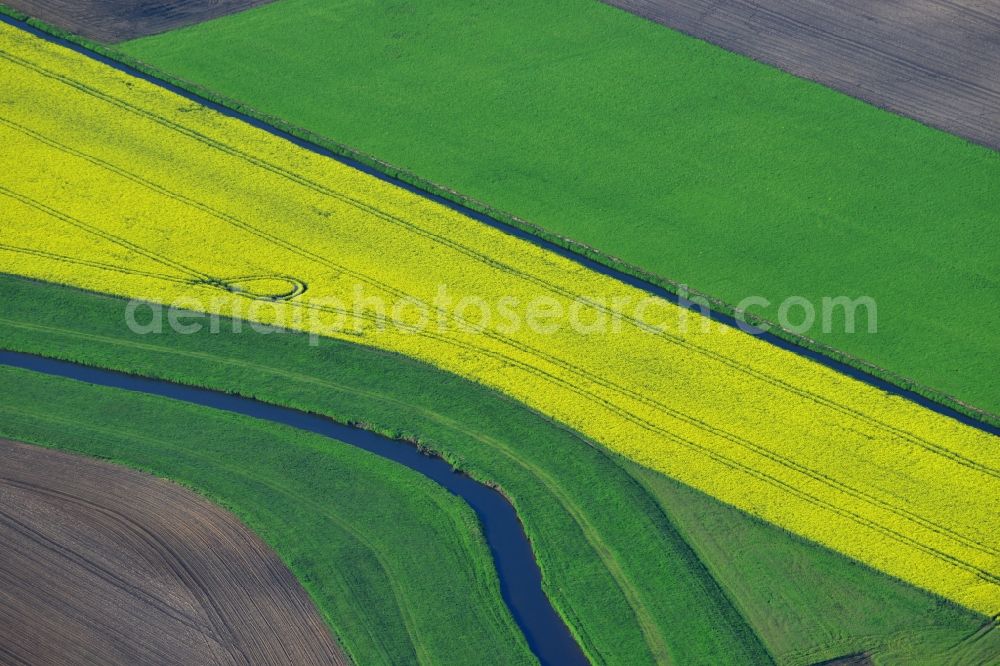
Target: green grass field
point(711, 583)
point(789, 589)
point(698, 165)
point(395, 563)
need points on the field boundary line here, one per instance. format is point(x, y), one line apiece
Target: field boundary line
point(610, 386)
point(614, 388)
point(644, 423)
point(375, 211)
point(591, 257)
point(524, 348)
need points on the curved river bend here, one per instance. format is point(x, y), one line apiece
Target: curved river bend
point(520, 577)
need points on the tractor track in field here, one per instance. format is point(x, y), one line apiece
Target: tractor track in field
point(470, 252)
point(721, 459)
point(583, 374)
point(599, 381)
point(105, 564)
point(936, 61)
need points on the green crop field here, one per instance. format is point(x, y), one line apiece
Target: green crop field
point(698, 165)
point(810, 603)
point(391, 559)
point(610, 537)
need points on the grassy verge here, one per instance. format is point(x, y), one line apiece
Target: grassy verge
point(639, 143)
point(396, 564)
point(788, 588)
point(616, 560)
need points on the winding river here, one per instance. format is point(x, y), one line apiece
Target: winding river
point(520, 577)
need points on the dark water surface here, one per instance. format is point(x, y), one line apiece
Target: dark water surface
point(520, 578)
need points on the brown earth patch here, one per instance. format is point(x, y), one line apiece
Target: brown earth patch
point(105, 565)
point(937, 61)
point(111, 21)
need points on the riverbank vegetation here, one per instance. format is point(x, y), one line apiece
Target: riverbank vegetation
point(396, 564)
point(604, 539)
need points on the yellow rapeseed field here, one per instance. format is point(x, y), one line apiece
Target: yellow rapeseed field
point(113, 184)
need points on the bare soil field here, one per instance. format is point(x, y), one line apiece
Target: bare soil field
point(937, 61)
point(102, 564)
point(112, 21)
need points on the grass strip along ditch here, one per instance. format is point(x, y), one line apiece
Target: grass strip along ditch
point(602, 541)
point(209, 210)
point(520, 578)
point(396, 564)
point(648, 149)
point(628, 586)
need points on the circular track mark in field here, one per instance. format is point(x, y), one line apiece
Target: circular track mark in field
point(265, 287)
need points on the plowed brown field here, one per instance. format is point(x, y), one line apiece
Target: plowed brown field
point(118, 20)
point(102, 564)
point(937, 61)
